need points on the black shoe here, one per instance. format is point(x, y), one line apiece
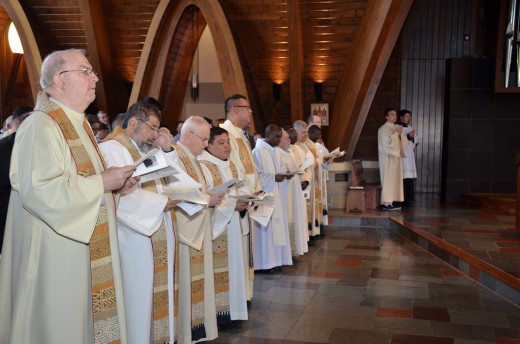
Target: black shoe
point(390, 207)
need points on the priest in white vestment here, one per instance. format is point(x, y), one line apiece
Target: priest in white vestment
point(144, 228)
point(272, 244)
point(409, 167)
point(238, 119)
point(197, 311)
point(322, 151)
point(299, 157)
point(296, 207)
point(230, 217)
point(313, 195)
point(62, 207)
point(391, 144)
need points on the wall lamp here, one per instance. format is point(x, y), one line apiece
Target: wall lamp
point(277, 89)
point(318, 91)
point(14, 40)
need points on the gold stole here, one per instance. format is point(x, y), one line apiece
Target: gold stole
point(220, 255)
point(104, 307)
point(160, 261)
point(198, 328)
point(318, 209)
point(249, 167)
point(245, 157)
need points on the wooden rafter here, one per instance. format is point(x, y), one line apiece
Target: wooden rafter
point(374, 42)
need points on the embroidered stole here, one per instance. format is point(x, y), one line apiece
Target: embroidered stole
point(245, 154)
point(220, 255)
point(198, 328)
point(161, 326)
point(318, 209)
point(104, 306)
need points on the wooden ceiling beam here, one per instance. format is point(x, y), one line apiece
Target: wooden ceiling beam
point(294, 25)
point(374, 42)
point(110, 95)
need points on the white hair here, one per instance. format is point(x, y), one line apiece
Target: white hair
point(298, 125)
point(53, 64)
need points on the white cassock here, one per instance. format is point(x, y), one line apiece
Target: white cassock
point(139, 215)
point(313, 213)
point(296, 207)
point(391, 146)
point(272, 246)
point(409, 167)
point(324, 177)
point(242, 157)
point(299, 156)
point(226, 218)
point(195, 232)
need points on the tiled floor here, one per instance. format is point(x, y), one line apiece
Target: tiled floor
point(367, 285)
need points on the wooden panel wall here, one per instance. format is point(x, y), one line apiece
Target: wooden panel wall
point(328, 31)
point(261, 31)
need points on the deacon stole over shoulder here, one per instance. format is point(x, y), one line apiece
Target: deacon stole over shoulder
point(106, 323)
point(160, 260)
point(198, 329)
point(220, 255)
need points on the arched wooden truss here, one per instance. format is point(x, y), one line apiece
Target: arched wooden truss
point(165, 63)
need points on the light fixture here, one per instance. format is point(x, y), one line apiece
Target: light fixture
point(318, 91)
point(195, 49)
point(277, 88)
point(14, 40)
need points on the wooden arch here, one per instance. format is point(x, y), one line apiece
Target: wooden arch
point(32, 54)
point(165, 62)
point(374, 42)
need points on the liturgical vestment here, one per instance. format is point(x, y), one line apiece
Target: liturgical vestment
point(45, 269)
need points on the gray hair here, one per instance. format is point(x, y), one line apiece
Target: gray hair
point(53, 64)
point(192, 123)
point(299, 124)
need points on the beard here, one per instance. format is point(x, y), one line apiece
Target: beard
point(145, 147)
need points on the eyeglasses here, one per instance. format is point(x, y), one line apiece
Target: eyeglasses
point(86, 71)
point(149, 126)
point(243, 106)
point(204, 140)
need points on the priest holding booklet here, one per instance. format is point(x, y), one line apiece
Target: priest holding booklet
point(231, 223)
point(147, 241)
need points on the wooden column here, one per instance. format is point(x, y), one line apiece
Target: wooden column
point(294, 23)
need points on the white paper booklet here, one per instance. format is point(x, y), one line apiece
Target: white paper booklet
point(264, 198)
point(190, 208)
point(301, 170)
point(336, 153)
point(224, 187)
point(152, 166)
point(262, 213)
point(182, 187)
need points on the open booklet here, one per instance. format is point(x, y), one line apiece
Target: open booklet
point(264, 198)
point(336, 153)
point(301, 170)
point(224, 187)
point(152, 166)
point(182, 187)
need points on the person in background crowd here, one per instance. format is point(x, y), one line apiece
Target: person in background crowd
point(105, 119)
point(20, 113)
point(178, 126)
